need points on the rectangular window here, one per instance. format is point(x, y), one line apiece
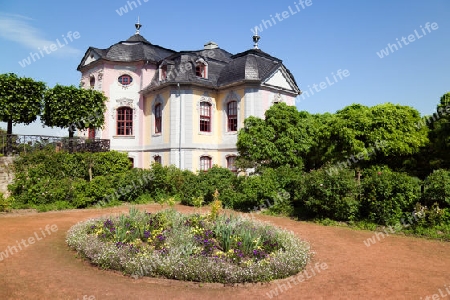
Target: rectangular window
point(200, 70)
point(205, 117)
point(164, 72)
point(230, 163)
point(124, 121)
point(205, 163)
point(158, 119)
point(232, 116)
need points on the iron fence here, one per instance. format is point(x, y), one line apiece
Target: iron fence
point(15, 144)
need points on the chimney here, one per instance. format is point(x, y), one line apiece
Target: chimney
point(211, 45)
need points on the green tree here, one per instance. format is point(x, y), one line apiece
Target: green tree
point(439, 125)
point(20, 99)
point(283, 138)
point(73, 108)
point(383, 134)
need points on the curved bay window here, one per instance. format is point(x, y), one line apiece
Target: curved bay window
point(158, 118)
point(124, 121)
point(205, 117)
point(232, 116)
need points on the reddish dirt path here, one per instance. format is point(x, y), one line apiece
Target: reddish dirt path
point(396, 267)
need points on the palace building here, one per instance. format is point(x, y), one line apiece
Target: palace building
point(182, 108)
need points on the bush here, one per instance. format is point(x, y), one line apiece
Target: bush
point(437, 189)
point(5, 203)
point(220, 179)
point(326, 195)
point(257, 191)
point(55, 180)
point(388, 196)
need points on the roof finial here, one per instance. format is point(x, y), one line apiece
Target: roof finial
point(138, 26)
point(256, 38)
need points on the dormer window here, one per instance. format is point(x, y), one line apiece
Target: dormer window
point(201, 68)
point(163, 72)
point(125, 79)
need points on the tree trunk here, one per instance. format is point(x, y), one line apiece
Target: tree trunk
point(9, 138)
point(71, 133)
point(9, 129)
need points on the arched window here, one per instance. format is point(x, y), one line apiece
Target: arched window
point(205, 163)
point(158, 159)
point(230, 163)
point(232, 116)
point(124, 121)
point(125, 79)
point(158, 118)
point(205, 117)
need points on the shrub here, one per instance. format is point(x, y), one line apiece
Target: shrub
point(327, 195)
point(437, 189)
point(220, 179)
point(107, 163)
point(190, 190)
point(5, 203)
point(257, 191)
point(46, 177)
point(387, 196)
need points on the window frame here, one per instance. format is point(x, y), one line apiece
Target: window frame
point(200, 70)
point(232, 119)
point(231, 165)
point(92, 81)
point(205, 119)
point(128, 82)
point(158, 118)
point(205, 163)
point(163, 72)
point(124, 121)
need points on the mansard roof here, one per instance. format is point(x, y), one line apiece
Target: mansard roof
point(224, 68)
point(135, 48)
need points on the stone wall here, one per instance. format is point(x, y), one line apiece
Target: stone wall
point(6, 175)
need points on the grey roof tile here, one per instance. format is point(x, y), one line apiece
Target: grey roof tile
point(223, 67)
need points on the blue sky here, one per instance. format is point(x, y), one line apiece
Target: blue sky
point(314, 41)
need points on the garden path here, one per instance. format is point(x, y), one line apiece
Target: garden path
point(395, 267)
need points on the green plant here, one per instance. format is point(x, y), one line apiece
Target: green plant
point(5, 203)
point(437, 189)
point(230, 249)
point(326, 195)
point(387, 196)
point(216, 206)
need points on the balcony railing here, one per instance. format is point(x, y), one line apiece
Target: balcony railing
point(15, 144)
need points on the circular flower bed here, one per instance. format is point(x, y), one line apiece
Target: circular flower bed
point(205, 248)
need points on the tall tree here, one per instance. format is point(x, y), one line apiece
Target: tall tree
point(439, 125)
point(382, 134)
point(73, 108)
point(282, 139)
point(20, 99)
